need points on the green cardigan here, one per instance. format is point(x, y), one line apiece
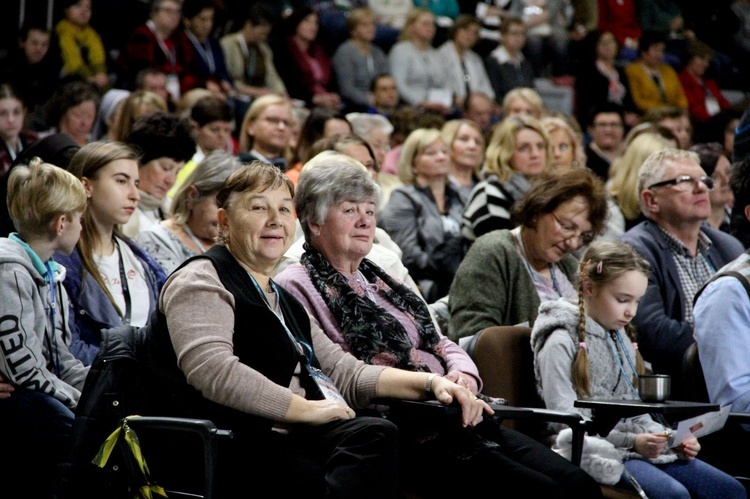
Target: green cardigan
point(493, 288)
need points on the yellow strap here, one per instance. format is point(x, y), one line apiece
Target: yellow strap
point(149, 490)
point(105, 450)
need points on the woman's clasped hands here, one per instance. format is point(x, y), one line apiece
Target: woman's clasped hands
point(472, 407)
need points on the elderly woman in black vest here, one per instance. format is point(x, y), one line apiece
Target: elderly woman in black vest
point(266, 371)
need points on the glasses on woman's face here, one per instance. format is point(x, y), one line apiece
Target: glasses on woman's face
point(686, 183)
point(569, 230)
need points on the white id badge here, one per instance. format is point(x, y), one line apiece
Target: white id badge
point(327, 388)
point(173, 86)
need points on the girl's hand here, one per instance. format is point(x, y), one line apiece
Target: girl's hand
point(689, 448)
point(650, 445)
point(463, 379)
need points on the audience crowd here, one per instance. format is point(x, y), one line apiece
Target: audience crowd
point(500, 138)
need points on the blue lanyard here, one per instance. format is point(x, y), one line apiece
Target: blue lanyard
point(53, 338)
point(307, 349)
point(554, 280)
point(616, 334)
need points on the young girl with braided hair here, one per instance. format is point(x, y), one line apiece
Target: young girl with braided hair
point(587, 350)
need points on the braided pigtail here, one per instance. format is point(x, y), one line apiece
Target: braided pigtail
point(640, 365)
point(580, 374)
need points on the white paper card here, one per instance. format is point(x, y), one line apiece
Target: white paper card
point(702, 425)
point(440, 96)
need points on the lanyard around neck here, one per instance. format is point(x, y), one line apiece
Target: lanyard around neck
point(307, 349)
point(169, 53)
point(205, 51)
point(124, 284)
point(615, 335)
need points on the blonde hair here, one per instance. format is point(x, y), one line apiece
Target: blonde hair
point(257, 108)
point(554, 123)
point(502, 146)
point(135, 105)
point(602, 263)
point(411, 18)
point(449, 132)
point(189, 98)
point(414, 145)
point(529, 95)
point(203, 182)
point(623, 183)
point(40, 192)
point(357, 16)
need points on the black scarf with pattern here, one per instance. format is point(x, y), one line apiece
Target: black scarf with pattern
point(373, 335)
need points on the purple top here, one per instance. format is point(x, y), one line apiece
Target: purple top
point(295, 280)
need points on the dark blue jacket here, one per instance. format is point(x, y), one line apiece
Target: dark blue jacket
point(91, 307)
point(663, 335)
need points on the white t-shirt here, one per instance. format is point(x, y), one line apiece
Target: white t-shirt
point(109, 267)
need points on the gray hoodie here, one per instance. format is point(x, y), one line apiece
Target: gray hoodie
point(554, 341)
point(31, 355)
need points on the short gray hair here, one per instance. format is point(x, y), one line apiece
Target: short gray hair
point(328, 181)
point(364, 123)
point(653, 168)
point(207, 178)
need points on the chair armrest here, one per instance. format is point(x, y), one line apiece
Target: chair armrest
point(205, 429)
point(739, 417)
point(414, 409)
point(575, 421)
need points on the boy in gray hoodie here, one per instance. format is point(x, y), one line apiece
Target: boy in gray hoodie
point(45, 203)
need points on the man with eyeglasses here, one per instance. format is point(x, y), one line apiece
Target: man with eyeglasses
point(683, 250)
point(606, 129)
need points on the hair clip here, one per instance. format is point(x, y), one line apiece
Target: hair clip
point(599, 266)
point(582, 345)
point(635, 345)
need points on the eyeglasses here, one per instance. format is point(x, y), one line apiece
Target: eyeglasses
point(607, 125)
point(570, 231)
point(278, 121)
point(684, 182)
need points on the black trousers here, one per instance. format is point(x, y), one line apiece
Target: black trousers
point(341, 459)
point(488, 459)
point(34, 433)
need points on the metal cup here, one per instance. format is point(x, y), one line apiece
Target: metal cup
point(654, 387)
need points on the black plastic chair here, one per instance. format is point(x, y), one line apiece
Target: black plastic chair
point(506, 364)
point(167, 463)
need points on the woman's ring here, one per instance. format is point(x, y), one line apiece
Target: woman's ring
point(348, 411)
